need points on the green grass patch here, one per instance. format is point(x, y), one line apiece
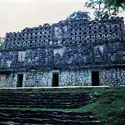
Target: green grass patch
point(64, 90)
point(110, 107)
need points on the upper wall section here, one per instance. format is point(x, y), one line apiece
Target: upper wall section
point(80, 56)
point(67, 33)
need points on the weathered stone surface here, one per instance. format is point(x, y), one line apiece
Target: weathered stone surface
point(75, 78)
point(75, 31)
point(114, 77)
point(38, 79)
point(43, 100)
point(73, 48)
point(49, 117)
point(8, 80)
point(67, 42)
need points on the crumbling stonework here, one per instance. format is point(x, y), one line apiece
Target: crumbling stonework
point(38, 79)
point(8, 80)
point(71, 49)
point(75, 78)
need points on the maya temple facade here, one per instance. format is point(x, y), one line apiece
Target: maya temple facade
point(68, 53)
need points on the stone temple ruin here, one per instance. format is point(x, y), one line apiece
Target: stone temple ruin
point(68, 53)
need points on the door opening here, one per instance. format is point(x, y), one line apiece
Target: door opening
point(20, 80)
point(55, 80)
point(95, 78)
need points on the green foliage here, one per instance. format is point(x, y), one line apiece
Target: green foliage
point(79, 15)
point(103, 7)
point(1, 45)
point(110, 108)
point(116, 4)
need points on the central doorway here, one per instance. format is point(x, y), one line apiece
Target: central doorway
point(95, 78)
point(55, 79)
point(20, 80)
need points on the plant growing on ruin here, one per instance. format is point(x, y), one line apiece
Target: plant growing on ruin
point(1, 42)
point(79, 15)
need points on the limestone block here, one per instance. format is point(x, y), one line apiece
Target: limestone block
point(39, 78)
point(8, 80)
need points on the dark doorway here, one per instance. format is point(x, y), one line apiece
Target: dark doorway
point(55, 80)
point(20, 80)
point(95, 78)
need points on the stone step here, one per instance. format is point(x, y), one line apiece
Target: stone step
point(81, 103)
point(49, 117)
point(59, 106)
point(43, 99)
point(43, 93)
point(56, 100)
point(43, 96)
point(45, 102)
point(46, 96)
point(76, 122)
point(17, 123)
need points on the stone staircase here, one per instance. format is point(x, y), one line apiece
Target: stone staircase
point(47, 117)
point(43, 99)
point(13, 102)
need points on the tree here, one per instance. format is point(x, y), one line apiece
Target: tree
point(116, 4)
point(79, 15)
point(100, 8)
point(103, 7)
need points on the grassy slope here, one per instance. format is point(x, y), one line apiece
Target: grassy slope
point(110, 107)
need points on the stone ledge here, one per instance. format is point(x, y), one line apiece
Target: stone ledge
point(55, 88)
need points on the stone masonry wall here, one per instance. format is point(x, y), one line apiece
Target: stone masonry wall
point(75, 78)
point(107, 77)
point(66, 78)
point(38, 79)
point(105, 54)
point(66, 46)
point(8, 80)
point(114, 77)
point(67, 33)
point(77, 42)
point(120, 78)
point(83, 77)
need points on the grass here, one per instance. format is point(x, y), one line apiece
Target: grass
point(64, 90)
point(110, 107)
